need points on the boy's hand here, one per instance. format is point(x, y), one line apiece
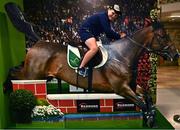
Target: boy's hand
point(122, 34)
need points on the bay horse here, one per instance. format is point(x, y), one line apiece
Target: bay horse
point(50, 59)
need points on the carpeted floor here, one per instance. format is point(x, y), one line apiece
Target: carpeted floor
point(168, 92)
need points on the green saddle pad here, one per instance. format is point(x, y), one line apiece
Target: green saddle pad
point(73, 57)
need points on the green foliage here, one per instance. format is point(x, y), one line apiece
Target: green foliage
point(21, 104)
point(22, 100)
point(153, 79)
point(42, 102)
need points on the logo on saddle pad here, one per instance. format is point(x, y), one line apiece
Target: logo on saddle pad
point(74, 57)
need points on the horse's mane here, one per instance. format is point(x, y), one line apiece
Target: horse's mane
point(155, 25)
point(140, 30)
point(132, 36)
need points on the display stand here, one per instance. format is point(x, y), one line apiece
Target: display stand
point(82, 111)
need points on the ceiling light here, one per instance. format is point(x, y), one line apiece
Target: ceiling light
point(175, 16)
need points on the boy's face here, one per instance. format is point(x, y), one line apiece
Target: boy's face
point(112, 15)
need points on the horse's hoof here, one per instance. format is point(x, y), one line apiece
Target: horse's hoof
point(7, 87)
point(49, 78)
point(176, 118)
point(150, 122)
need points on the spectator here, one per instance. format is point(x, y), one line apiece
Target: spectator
point(68, 23)
point(47, 15)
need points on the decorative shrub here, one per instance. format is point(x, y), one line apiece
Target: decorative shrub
point(144, 71)
point(153, 79)
point(147, 74)
point(21, 104)
point(45, 113)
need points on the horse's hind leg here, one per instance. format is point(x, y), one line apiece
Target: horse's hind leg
point(14, 73)
point(54, 65)
point(7, 84)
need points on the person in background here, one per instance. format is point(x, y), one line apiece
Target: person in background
point(68, 23)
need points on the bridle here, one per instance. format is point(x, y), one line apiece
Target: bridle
point(163, 51)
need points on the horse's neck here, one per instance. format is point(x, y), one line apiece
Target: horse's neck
point(141, 35)
point(125, 50)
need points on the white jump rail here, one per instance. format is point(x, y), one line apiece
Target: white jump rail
point(28, 81)
point(89, 96)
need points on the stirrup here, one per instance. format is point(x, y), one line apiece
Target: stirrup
point(82, 72)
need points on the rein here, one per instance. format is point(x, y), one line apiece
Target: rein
point(160, 51)
point(140, 45)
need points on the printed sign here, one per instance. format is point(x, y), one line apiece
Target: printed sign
point(88, 106)
point(123, 105)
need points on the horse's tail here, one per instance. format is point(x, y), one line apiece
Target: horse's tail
point(14, 73)
point(17, 18)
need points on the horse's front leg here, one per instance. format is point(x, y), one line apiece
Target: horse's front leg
point(125, 91)
point(147, 107)
point(151, 113)
point(121, 87)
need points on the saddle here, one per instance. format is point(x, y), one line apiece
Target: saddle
point(76, 52)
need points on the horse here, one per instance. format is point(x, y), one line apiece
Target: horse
point(50, 59)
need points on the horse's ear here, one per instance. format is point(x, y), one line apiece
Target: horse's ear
point(147, 22)
point(157, 25)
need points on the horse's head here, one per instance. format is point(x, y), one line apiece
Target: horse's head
point(162, 44)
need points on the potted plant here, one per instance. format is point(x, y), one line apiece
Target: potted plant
point(21, 104)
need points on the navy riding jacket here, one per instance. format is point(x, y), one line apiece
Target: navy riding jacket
point(97, 24)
